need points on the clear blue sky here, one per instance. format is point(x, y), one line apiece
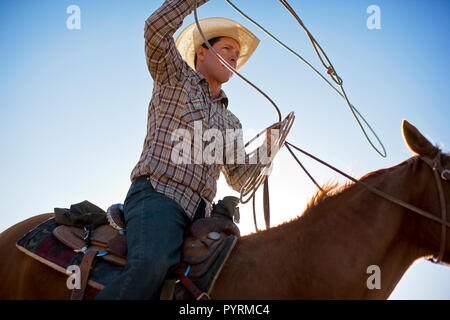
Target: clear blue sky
point(73, 103)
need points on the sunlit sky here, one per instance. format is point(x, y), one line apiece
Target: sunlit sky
point(73, 103)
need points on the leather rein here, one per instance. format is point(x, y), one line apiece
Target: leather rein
point(439, 172)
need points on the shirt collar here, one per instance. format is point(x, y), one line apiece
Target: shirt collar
point(198, 78)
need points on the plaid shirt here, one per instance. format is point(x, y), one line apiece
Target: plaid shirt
point(181, 97)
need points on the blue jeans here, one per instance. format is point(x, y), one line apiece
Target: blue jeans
point(155, 226)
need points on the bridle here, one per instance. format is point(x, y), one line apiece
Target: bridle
point(439, 172)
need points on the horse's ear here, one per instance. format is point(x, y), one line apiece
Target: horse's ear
point(417, 142)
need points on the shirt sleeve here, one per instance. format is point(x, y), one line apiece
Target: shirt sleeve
point(163, 59)
point(242, 165)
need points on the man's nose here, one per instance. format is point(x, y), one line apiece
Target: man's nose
point(234, 58)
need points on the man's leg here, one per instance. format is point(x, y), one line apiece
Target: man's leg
point(155, 226)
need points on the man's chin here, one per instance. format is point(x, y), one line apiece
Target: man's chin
point(224, 80)
point(227, 78)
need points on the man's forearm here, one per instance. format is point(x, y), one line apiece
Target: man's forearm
point(165, 21)
point(163, 59)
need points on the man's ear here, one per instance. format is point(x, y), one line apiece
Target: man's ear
point(201, 54)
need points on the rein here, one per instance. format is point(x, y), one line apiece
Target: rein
point(438, 171)
point(439, 174)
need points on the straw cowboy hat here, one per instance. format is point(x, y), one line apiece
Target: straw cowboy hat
point(190, 38)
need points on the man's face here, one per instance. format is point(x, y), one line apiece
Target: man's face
point(211, 67)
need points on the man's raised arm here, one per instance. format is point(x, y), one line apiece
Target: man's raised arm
point(164, 62)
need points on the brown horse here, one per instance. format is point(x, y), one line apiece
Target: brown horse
point(323, 254)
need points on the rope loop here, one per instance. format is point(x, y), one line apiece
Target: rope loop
point(330, 71)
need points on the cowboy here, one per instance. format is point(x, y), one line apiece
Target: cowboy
point(165, 198)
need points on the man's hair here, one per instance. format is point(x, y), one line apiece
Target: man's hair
point(211, 42)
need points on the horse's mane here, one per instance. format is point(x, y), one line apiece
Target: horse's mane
point(330, 189)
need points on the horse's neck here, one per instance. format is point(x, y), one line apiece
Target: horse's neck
point(366, 230)
point(327, 252)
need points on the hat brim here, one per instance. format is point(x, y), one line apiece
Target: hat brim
point(190, 38)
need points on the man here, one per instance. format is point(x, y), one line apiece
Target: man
point(165, 197)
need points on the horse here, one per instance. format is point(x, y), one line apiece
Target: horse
point(324, 253)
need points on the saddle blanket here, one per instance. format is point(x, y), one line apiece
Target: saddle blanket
point(41, 245)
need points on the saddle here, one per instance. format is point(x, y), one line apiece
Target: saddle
point(206, 240)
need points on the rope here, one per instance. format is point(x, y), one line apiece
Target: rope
point(330, 70)
point(258, 176)
point(260, 172)
point(229, 66)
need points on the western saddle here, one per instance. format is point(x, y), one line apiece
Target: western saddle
point(205, 240)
